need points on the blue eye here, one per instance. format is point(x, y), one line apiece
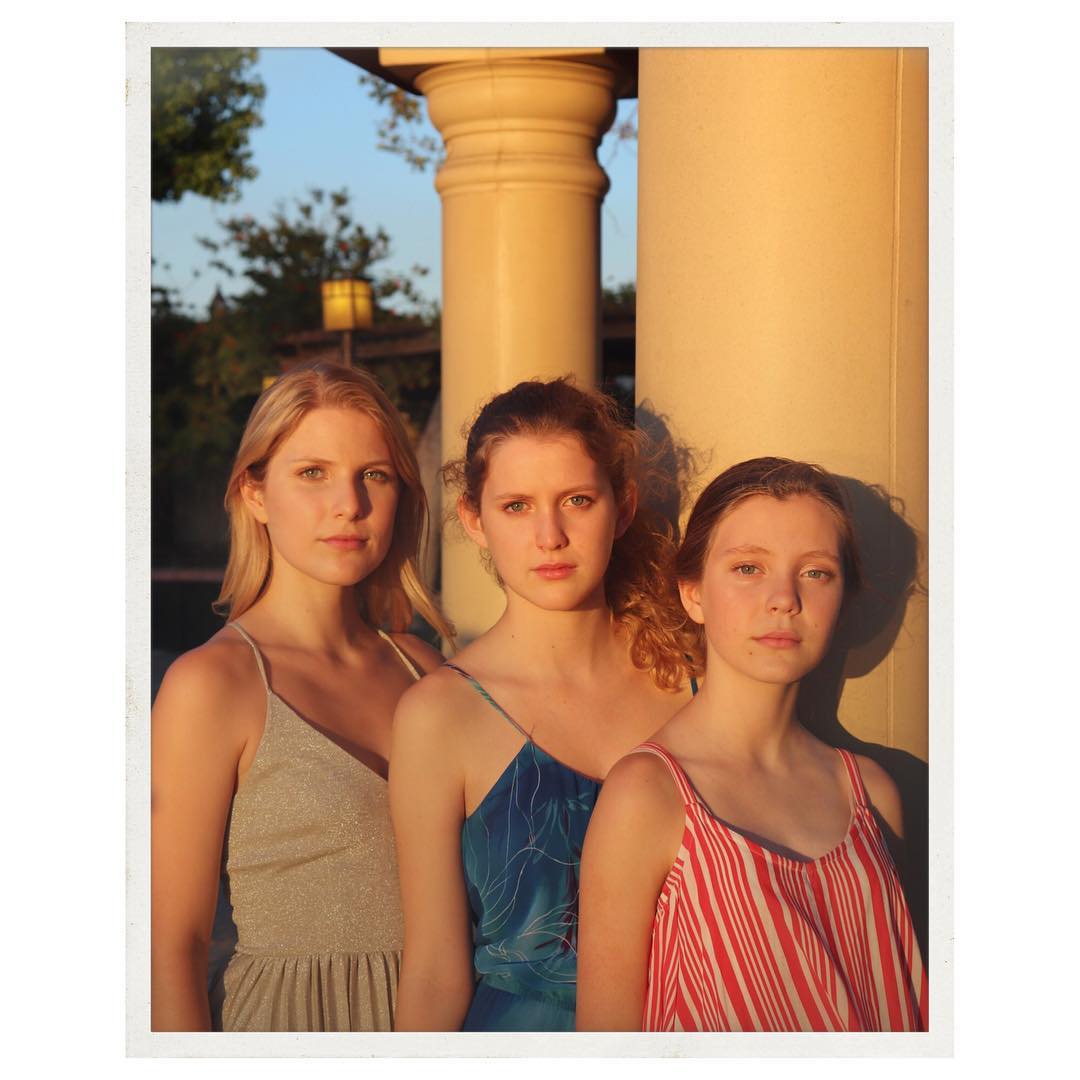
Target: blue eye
point(378, 475)
point(746, 569)
point(816, 574)
point(579, 500)
point(514, 507)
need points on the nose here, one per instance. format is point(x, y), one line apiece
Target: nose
point(549, 531)
point(351, 499)
point(784, 597)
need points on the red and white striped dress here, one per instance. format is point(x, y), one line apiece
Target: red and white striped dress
point(747, 939)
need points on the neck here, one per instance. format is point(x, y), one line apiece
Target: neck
point(562, 644)
point(750, 719)
point(309, 614)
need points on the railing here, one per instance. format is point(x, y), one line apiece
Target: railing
point(185, 573)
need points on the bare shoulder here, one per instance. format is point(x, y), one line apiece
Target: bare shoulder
point(433, 707)
point(882, 792)
point(640, 804)
point(426, 658)
point(638, 824)
point(214, 686)
point(428, 752)
point(640, 786)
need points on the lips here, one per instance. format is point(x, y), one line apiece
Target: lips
point(779, 639)
point(554, 571)
point(345, 543)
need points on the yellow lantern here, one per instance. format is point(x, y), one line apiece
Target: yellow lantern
point(346, 305)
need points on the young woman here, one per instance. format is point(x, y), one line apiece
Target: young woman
point(270, 742)
point(734, 877)
point(498, 757)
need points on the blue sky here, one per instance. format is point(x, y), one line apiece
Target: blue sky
point(319, 129)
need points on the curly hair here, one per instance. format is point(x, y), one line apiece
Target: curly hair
point(636, 583)
point(391, 593)
point(779, 478)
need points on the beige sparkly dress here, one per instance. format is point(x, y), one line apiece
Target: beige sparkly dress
point(313, 882)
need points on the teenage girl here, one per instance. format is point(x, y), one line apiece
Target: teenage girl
point(735, 877)
point(499, 756)
point(270, 742)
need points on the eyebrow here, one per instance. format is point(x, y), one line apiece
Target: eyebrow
point(755, 549)
point(306, 460)
point(579, 489)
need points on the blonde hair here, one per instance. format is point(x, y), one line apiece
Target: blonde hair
point(394, 590)
point(635, 584)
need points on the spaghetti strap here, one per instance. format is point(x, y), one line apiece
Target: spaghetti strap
point(413, 669)
point(854, 777)
point(682, 782)
point(255, 649)
point(489, 699)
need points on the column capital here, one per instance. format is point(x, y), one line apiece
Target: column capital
point(517, 123)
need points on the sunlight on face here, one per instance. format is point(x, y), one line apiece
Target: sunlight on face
point(329, 498)
point(771, 589)
point(548, 517)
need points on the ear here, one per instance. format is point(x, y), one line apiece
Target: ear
point(252, 494)
point(626, 511)
point(470, 522)
point(690, 595)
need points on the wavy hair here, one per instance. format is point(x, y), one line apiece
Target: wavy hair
point(641, 559)
point(394, 590)
point(779, 478)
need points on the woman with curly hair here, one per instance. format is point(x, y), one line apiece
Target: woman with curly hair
point(498, 757)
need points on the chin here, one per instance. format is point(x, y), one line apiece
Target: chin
point(556, 596)
point(346, 576)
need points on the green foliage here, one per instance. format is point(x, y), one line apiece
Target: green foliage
point(616, 298)
point(203, 105)
point(397, 128)
point(206, 373)
point(285, 260)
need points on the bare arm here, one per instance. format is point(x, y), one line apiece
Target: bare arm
point(427, 806)
point(194, 751)
point(888, 808)
point(633, 839)
point(883, 794)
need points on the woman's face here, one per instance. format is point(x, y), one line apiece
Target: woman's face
point(771, 589)
point(329, 497)
point(548, 517)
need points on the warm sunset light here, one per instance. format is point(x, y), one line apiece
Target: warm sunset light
point(346, 305)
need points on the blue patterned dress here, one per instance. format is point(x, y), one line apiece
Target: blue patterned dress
point(521, 849)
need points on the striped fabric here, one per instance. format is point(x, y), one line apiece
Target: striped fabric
point(747, 939)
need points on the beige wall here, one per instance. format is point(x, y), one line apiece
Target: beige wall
point(782, 278)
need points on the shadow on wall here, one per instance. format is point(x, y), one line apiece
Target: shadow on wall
point(889, 547)
point(672, 467)
point(890, 552)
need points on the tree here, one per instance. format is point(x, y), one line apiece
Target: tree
point(203, 105)
point(286, 259)
point(618, 299)
point(401, 117)
point(206, 373)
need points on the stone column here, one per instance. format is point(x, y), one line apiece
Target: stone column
point(521, 191)
point(782, 300)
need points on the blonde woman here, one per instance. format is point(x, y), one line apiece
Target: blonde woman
point(270, 742)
